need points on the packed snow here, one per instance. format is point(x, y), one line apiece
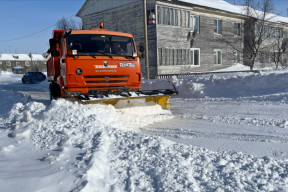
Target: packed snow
point(225, 132)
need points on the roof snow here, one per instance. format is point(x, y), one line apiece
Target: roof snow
point(21, 57)
point(225, 6)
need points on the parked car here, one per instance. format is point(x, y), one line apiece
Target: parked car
point(33, 77)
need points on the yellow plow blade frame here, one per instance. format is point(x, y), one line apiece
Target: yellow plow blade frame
point(118, 103)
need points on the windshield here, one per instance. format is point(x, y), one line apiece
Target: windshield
point(100, 45)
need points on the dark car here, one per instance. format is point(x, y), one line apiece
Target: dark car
point(33, 77)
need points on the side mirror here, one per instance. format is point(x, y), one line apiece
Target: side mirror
point(52, 44)
point(55, 53)
point(141, 47)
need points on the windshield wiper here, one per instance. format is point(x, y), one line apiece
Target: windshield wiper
point(104, 53)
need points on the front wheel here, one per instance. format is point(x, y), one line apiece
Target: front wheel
point(23, 81)
point(54, 91)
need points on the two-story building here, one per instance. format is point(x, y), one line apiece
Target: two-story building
point(183, 35)
point(21, 63)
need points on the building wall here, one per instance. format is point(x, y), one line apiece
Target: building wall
point(175, 37)
point(264, 57)
point(35, 66)
point(129, 18)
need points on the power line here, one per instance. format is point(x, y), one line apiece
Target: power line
point(47, 27)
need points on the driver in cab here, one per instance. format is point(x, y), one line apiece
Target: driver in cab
point(116, 48)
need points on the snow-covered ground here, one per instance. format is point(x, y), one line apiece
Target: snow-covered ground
point(227, 132)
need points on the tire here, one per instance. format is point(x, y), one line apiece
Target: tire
point(54, 91)
point(31, 81)
point(23, 81)
point(51, 92)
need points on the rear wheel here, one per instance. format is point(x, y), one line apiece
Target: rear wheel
point(31, 80)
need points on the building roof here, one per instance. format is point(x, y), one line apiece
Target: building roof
point(92, 6)
point(21, 57)
point(225, 6)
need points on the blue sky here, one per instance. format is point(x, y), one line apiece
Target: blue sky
point(19, 18)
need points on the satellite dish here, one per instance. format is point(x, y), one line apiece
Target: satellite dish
point(192, 43)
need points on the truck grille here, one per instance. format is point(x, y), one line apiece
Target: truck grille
point(102, 79)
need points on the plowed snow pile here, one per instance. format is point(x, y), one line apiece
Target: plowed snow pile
point(231, 86)
point(71, 147)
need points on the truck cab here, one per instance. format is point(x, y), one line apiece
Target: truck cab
point(89, 62)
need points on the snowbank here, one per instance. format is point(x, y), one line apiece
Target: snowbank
point(112, 157)
point(235, 86)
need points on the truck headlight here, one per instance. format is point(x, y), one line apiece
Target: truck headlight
point(126, 64)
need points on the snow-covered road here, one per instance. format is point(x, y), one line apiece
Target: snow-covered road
point(227, 132)
point(254, 128)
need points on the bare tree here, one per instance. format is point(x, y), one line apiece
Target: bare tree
point(278, 48)
point(258, 22)
point(65, 24)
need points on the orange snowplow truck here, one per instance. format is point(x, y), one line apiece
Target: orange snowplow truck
point(98, 66)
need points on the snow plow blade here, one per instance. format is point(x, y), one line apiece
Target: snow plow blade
point(150, 98)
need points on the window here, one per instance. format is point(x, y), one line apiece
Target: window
point(176, 17)
point(163, 15)
point(176, 56)
point(166, 16)
point(0, 62)
point(8, 63)
point(159, 15)
point(172, 57)
point(237, 57)
point(35, 63)
point(237, 29)
point(171, 14)
point(183, 18)
point(187, 18)
point(160, 56)
point(217, 56)
point(164, 57)
point(167, 56)
point(194, 23)
point(218, 27)
point(184, 57)
point(27, 63)
point(195, 56)
point(17, 63)
point(9, 70)
point(179, 57)
point(180, 18)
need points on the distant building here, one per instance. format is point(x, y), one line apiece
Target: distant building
point(22, 63)
point(183, 35)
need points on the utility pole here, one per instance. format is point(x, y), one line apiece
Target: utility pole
point(146, 40)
